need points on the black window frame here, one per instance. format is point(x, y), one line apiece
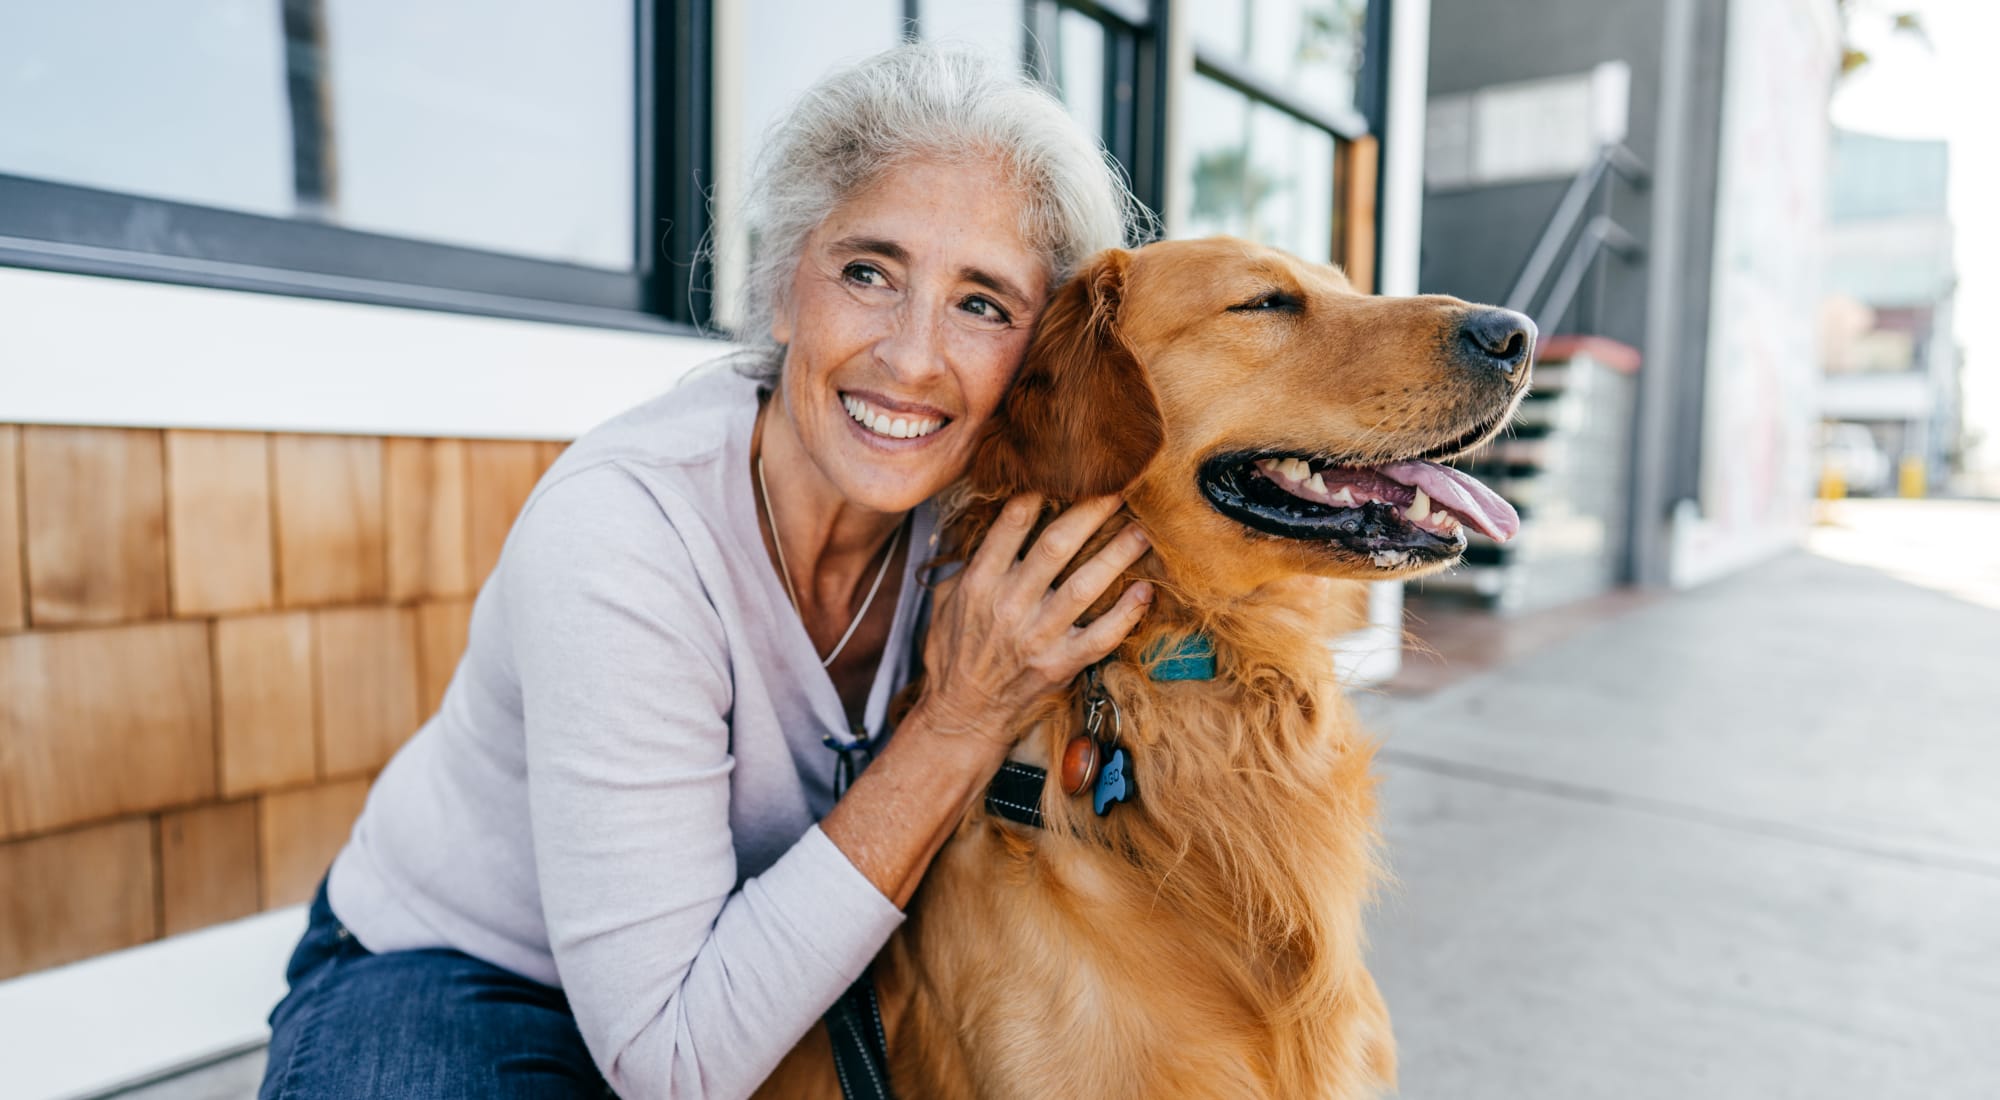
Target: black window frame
point(1136, 68)
point(1365, 118)
point(1138, 64)
point(75, 229)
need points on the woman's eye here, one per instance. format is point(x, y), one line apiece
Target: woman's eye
point(987, 309)
point(865, 274)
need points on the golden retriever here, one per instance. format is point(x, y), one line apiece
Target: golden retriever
point(1270, 427)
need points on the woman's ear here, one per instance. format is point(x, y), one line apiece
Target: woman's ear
point(1082, 419)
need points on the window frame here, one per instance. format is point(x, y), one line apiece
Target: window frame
point(1137, 67)
point(1357, 179)
point(75, 229)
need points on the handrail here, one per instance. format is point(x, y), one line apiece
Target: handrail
point(1599, 234)
point(1611, 157)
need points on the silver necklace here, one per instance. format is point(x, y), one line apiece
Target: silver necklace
point(785, 571)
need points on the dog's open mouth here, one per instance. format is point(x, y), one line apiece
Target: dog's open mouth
point(1398, 513)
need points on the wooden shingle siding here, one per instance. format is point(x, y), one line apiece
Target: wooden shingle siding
point(73, 895)
point(499, 476)
point(441, 636)
point(95, 509)
point(547, 453)
point(265, 710)
point(219, 511)
point(331, 543)
point(367, 686)
point(13, 584)
point(425, 490)
point(208, 865)
point(210, 644)
point(299, 833)
point(99, 723)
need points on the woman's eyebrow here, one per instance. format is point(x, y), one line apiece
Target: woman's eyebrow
point(992, 282)
point(875, 245)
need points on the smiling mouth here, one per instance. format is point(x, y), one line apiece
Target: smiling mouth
point(1409, 512)
point(889, 423)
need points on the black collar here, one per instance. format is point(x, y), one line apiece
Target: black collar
point(1016, 793)
point(1016, 790)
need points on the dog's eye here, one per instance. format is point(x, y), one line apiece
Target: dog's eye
point(1271, 300)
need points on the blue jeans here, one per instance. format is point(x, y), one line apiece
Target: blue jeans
point(420, 1024)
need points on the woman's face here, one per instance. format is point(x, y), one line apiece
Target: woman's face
point(908, 314)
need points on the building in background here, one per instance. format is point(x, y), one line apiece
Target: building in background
point(1890, 395)
point(1688, 140)
point(299, 299)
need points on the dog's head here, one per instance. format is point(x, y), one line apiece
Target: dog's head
point(1261, 416)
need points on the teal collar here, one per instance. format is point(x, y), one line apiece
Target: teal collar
point(1191, 658)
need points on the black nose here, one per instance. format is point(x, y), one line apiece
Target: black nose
point(1497, 338)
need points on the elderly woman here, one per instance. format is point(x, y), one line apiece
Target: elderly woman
point(616, 850)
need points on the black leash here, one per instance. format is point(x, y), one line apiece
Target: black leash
point(860, 1046)
point(854, 1023)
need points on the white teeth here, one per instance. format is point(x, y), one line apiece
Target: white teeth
point(1344, 498)
point(1316, 483)
point(894, 427)
point(1421, 508)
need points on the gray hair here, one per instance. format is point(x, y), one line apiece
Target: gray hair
point(922, 101)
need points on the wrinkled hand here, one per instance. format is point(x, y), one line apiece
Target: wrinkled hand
point(1002, 637)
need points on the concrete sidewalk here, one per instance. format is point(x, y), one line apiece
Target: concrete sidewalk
point(1741, 842)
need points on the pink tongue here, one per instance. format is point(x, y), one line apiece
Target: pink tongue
point(1460, 492)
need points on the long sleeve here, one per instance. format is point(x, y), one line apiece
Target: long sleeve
point(683, 984)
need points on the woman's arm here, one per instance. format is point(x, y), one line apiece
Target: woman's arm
point(1000, 639)
point(683, 984)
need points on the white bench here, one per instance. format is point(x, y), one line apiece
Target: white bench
point(137, 1015)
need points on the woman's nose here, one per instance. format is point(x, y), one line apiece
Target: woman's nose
point(913, 348)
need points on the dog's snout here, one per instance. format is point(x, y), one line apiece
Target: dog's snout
point(1497, 339)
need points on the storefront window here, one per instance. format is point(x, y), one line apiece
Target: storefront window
point(997, 28)
point(1071, 46)
point(1311, 48)
point(1257, 172)
point(502, 128)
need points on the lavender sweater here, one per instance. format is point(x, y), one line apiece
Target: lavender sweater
point(619, 792)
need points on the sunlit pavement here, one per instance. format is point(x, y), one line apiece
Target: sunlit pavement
point(1737, 842)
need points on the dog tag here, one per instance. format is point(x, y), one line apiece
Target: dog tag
point(1079, 766)
point(1114, 783)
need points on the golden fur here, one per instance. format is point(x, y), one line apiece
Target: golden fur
point(1204, 939)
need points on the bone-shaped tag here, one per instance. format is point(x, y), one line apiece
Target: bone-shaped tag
point(1114, 782)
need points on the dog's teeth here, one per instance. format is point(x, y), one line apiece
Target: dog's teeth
point(1344, 498)
point(1316, 483)
point(1421, 508)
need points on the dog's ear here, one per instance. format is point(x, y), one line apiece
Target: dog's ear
point(1082, 419)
